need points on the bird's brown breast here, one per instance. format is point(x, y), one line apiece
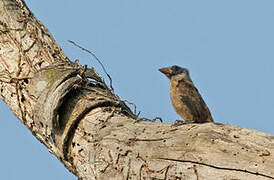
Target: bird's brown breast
point(188, 102)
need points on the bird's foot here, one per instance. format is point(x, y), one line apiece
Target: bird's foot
point(178, 123)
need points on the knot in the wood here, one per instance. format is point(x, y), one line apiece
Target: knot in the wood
point(63, 96)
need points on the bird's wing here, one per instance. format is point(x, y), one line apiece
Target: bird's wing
point(193, 100)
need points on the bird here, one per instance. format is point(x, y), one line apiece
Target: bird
point(185, 97)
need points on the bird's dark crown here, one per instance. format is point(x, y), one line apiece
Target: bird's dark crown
point(178, 70)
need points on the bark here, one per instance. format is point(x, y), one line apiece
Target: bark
point(94, 134)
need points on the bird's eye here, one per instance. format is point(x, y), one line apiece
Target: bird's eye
point(175, 68)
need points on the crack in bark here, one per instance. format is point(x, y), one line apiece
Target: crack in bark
point(137, 139)
point(30, 47)
point(217, 167)
point(148, 170)
point(129, 168)
point(166, 173)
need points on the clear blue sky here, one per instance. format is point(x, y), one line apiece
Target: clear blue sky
point(226, 45)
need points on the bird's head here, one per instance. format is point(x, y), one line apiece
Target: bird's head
point(175, 71)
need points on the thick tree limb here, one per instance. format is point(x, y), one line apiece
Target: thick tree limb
point(94, 134)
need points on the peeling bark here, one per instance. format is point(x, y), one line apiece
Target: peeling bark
point(69, 108)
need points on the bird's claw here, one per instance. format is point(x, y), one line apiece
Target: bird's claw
point(178, 123)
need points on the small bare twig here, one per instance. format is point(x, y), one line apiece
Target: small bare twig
point(138, 114)
point(157, 118)
point(88, 51)
point(150, 120)
point(134, 105)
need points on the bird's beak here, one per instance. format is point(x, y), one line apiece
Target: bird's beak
point(166, 71)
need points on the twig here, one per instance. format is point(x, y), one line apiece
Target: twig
point(138, 114)
point(134, 105)
point(157, 118)
point(88, 51)
point(150, 120)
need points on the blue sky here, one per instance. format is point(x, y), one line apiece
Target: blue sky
point(226, 45)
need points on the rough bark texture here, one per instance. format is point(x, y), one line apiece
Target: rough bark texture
point(69, 108)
